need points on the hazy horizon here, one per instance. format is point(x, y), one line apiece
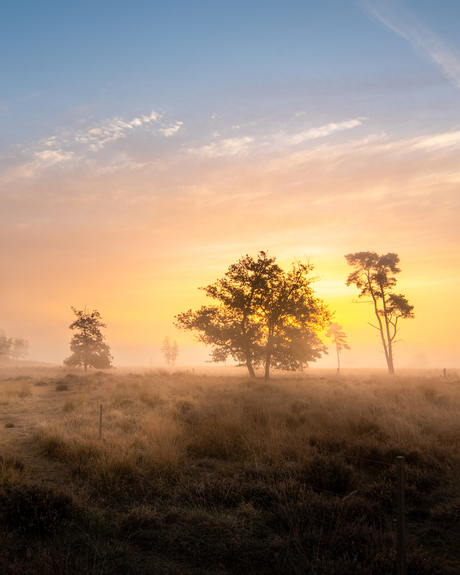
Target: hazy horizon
point(146, 147)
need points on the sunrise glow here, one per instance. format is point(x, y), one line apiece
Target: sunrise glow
point(145, 147)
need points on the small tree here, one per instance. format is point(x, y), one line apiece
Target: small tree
point(87, 344)
point(170, 351)
point(339, 339)
point(374, 276)
point(13, 347)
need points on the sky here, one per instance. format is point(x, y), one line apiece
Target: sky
point(146, 146)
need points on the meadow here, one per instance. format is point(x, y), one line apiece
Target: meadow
point(213, 472)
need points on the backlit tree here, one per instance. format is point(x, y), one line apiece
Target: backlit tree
point(170, 351)
point(263, 316)
point(339, 339)
point(87, 344)
point(374, 277)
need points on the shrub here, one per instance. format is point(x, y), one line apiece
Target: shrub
point(329, 473)
point(35, 511)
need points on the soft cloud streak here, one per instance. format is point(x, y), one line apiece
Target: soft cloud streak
point(319, 132)
point(397, 18)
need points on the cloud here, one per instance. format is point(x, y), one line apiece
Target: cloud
point(227, 147)
point(446, 140)
point(50, 157)
point(319, 132)
point(397, 18)
point(104, 133)
point(154, 116)
point(171, 130)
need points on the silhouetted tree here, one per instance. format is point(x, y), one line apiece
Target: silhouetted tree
point(170, 351)
point(339, 339)
point(13, 347)
point(264, 316)
point(374, 276)
point(87, 344)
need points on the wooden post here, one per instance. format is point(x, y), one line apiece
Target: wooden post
point(401, 517)
point(444, 372)
point(100, 421)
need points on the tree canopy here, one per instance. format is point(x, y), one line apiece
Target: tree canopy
point(87, 344)
point(374, 277)
point(263, 316)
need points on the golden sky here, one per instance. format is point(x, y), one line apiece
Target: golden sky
point(126, 184)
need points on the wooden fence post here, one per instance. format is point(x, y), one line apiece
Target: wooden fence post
point(401, 515)
point(100, 421)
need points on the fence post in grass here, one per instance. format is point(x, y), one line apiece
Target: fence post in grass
point(401, 517)
point(100, 421)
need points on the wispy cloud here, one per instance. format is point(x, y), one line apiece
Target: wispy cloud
point(395, 16)
point(319, 132)
point(173, 129)
point(446, 140)
point(50, 157)
point(98, 136)
point(226, 147)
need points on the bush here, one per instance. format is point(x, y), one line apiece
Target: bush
point(35, 511)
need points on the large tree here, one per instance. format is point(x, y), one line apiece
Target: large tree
point(263, 315)
point(374, 277)
point(87, 344)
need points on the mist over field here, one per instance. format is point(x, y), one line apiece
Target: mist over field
point(145, 148)
point(230, 259)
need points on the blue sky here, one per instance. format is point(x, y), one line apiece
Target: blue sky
point(145, 146)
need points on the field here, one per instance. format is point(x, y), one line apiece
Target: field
point(209, 474)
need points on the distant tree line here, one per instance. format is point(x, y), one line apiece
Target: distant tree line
point(262, 315)
point(13, 347)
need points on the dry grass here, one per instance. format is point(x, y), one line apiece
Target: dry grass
point(234, 474)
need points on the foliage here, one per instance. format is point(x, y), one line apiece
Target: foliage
point(87, 344)
point(170, 351)
point(264, 316)
point(13, 347)
point(374, 276)
point(339, 339)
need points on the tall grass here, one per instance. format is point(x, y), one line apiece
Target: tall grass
point(237, 475)
point(155, 423)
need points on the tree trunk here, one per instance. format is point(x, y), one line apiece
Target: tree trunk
point(391, 367)
point(250, 368)
point(268, 355)
point(268, 358)
point(338, 357)
point(379, 319)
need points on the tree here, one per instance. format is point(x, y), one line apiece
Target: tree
point(13, 347)
point(87, 344)
point(339, 339)
point(170, 351)
point(374, 276)
point(264, 316)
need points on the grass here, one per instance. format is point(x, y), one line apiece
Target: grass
point(227, 474)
